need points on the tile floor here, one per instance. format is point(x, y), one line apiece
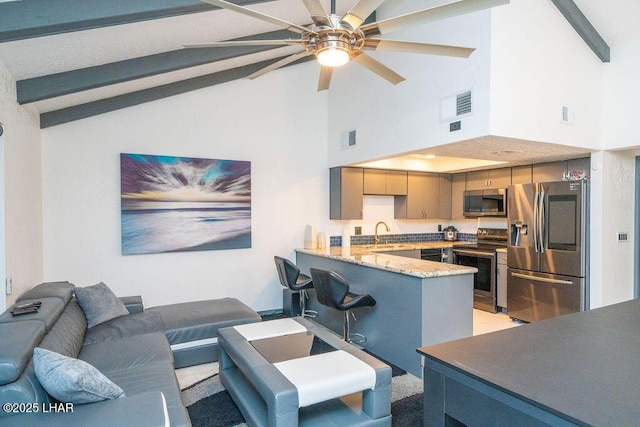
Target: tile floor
point(485, 322)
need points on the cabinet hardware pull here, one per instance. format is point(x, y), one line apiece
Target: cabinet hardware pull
point(542, 279)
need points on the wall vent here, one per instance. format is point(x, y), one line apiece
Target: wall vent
point(463, 103)
point(456, 106)
point(348, 139)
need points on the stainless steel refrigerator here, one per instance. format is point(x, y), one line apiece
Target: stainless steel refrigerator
point(548, 251)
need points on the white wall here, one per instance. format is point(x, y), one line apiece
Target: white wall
point(539, 64)
point(621, 90)
point(395, 119)
point(278, 122)
point(22, 192)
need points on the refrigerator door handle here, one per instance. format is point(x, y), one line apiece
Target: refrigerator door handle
point(542, 279)
point(535, 220)
point(541, 219)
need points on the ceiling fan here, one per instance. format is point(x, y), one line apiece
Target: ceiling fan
point(335, 40)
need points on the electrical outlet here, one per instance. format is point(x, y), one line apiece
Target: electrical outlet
point(8, 285)
point(358, 231)
point(623, 236)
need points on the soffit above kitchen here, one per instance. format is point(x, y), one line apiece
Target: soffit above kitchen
point(487, 152)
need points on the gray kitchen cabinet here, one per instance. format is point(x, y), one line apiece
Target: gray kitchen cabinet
point(501, 280)
point(385, 182)
point(521, 174)
point(457, 195)
point(346, 193)
point(492, 178)
point(446, 185)
point(423, 196)
point(548, 172)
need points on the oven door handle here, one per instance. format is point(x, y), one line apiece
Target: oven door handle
point(542, 279)
point(476, 253)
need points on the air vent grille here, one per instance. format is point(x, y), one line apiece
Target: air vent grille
point(348, 140)
point(463, 103)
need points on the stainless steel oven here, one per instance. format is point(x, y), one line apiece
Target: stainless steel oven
point(482, 256)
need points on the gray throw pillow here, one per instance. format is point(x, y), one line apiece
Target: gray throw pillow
point(72, 380)
point(99, 304)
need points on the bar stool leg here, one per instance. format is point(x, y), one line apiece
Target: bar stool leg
point(352, 338)
point(303, 305)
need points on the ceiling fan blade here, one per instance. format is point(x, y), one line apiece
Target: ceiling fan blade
point(325, 78)
point(262, 16)
point(413, 47)
point(377, 67)
point(281, 63)
point(285, 42)
point(317, 12)
point(429, 15)
point(359, 12)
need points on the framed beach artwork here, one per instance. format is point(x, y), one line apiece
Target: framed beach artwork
point(175, 204)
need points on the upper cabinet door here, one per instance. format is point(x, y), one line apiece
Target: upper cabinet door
point(397, 183)
point(521, 174)
point(477, 180)
point(375, 181)
point(346, 193)
point(499, 178)
point(487, 179)
point(385, 182)
point(457, 195)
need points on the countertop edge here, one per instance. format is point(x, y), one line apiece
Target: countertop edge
point(422, 269)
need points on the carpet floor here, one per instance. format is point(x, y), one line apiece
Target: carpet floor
point(210, 405)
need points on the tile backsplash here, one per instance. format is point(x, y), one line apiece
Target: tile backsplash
point(400, 238)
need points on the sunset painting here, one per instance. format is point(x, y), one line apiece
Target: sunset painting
point(172, 204)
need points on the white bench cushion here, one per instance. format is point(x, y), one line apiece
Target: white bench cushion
point(271, 328)
point(326, 376)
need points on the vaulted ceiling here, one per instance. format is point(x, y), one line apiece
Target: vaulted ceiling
point(78, 58)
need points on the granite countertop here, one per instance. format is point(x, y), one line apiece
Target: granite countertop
point(378, 256)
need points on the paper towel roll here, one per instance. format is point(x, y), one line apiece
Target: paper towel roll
point(346, 237)
point(310, 237)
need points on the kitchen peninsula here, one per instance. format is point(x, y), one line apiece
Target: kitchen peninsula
point(419, 302)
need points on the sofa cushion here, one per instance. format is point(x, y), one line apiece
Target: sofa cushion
point(128, 352)
point(99, 304)
point(67, 335)
point(71, 380)
point(18, 341)
point(62, 290)
point(124, 326)
point(154, 376)
point(192, 321)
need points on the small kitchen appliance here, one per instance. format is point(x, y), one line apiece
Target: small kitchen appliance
point(450, 233)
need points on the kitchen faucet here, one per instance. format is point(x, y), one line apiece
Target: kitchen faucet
point(376, 238)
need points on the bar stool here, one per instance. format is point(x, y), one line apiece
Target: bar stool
point(290, 277)
point(332, 290)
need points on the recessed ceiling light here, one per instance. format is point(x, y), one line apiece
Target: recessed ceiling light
point(429, 156)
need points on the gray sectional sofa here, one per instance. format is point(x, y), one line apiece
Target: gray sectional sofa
point(138, 352)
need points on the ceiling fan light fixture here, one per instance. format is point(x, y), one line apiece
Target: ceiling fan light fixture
point(333, 57)
point(332, 52)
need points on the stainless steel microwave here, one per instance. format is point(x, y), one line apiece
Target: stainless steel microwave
point(485, 202)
